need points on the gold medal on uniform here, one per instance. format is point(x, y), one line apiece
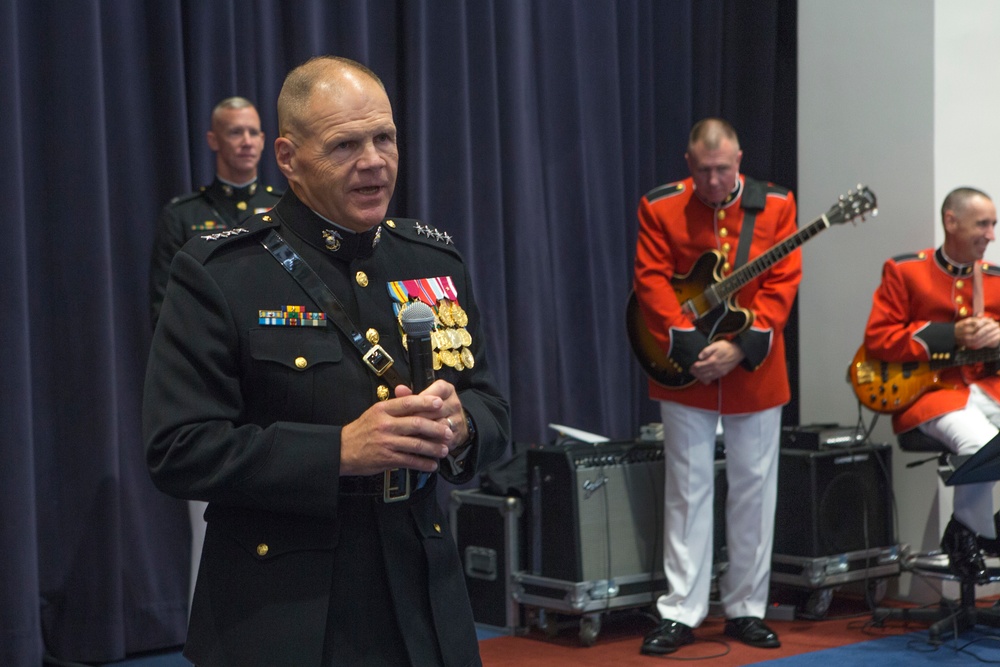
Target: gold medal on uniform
point(444, 312)
point(450, 340)
point(441, 340)
point(459, 315)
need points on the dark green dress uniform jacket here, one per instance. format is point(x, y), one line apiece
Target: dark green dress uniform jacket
point(212, 208)
point(247, 416)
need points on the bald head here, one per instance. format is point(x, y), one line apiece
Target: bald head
point(711, 132)
point(234, 102)
point(321, 72)
point(958, 199)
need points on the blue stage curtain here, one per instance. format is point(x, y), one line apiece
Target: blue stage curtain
point(528, 131)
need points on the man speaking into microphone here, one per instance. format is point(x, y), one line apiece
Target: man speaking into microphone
point(277, 390)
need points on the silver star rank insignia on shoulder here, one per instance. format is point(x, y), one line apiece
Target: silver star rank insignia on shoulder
point(432, 233)
point(225, 234)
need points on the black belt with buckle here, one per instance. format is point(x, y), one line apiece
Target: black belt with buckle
point(392, 485)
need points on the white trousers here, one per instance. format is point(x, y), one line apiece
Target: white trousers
point(689, 491)
point(965, 431)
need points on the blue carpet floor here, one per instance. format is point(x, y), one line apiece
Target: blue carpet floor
point(912, 650)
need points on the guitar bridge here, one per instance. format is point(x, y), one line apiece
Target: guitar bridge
point(865, 372)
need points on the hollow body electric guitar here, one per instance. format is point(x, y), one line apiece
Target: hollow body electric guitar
point(710, 300)
point(888, 387)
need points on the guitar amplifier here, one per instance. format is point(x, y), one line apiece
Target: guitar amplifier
point(595, 511)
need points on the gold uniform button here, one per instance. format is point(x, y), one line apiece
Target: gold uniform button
point(959, 299)
point(963, 311)
point(372, 336)
point(382, 392)
point(241, 205)
point(390, 223)
point(725, 247)
point(300, 362)
point(261, 549)
point(723, 232)
point(959, 284)
point(722, 215)
point(437, 527)
point(361, 278)
point(725, 267)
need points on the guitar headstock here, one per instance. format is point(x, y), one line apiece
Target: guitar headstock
point(853, 206)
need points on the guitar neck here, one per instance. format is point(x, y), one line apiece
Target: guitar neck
point(744, 274)
point(967, 357)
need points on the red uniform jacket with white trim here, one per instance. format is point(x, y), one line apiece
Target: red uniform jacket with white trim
point(675, 229)
point(913, 316)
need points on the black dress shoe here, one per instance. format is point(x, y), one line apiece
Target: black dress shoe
point(752, 631)
point(991, 547)
point(667, 637)
point(964, 556)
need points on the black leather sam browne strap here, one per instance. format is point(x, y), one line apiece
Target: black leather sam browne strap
point(396, 482)
point(375, 358)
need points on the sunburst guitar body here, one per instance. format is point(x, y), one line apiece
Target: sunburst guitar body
point(887, 387)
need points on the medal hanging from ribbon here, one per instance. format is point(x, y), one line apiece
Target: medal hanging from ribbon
point(450, 338)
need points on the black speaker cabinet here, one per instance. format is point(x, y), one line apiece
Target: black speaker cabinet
point(595, 512)
point(834, 501)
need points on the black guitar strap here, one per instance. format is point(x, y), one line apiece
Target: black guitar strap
point(753, 201)
point(375, 358)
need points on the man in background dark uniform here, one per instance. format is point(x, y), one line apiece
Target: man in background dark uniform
point(258, 403)
point(237, 141)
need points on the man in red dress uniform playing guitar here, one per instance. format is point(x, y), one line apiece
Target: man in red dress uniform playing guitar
point(929, 306)
point(739, 375)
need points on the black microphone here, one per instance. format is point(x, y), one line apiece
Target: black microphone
point(418, 320)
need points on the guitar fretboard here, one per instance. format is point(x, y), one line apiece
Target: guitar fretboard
point(965, 357)
point(741, 276)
